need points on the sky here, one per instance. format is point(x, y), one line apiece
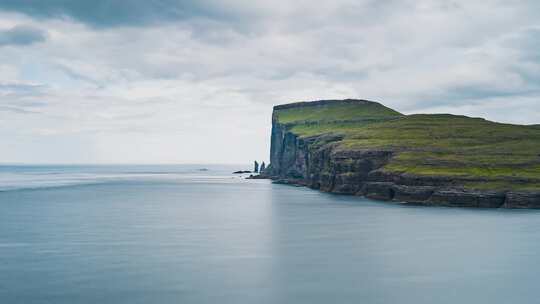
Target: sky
point(172, 81)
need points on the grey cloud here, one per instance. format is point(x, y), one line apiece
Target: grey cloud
point(473, 94)
point(110, 13)
point(527, 42)
point(70, 72)
point(465, 95)
point(19, 86)
point(16, 110)
point(169, 66)
point(21, 89)
point(22, 106)
point(20, 98)
point(22, 35)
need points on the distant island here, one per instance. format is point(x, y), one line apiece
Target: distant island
point(361, 147)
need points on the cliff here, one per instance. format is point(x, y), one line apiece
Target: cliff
point(361, 147)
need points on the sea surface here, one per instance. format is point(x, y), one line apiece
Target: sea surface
point(176, 234)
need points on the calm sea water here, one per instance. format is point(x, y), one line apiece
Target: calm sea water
point(174, 234)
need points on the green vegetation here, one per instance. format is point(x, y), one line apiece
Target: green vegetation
point(336, 113)
point(506, 156)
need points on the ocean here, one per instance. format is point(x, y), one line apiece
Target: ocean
point(177, 234)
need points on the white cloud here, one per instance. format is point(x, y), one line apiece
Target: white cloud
point(201, 89)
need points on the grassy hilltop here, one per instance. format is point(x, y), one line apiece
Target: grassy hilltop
point(506, 156)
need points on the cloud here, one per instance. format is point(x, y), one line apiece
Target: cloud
point(22, 35)
point(112, 13)
point(20, 88)
point(193, 75)
point(16, 110)
point(21, 98)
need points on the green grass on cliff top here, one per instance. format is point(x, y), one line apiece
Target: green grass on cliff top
point(433, 144)
point(336, 113)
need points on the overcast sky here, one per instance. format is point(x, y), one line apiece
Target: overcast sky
point(174, 81)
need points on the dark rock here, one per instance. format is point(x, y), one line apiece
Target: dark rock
point(491, 199)
point(286, 181)
point(453, 198)
point(522, 200)
point(412, 194)
point(347, 183)
point(241, 172)
point(460, 198)
point(259, 176)
point(379, 191)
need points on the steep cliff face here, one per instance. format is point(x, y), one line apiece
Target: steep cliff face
point(322, 161)
point(315, 161)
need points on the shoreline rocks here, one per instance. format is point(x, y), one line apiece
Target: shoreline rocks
point(241, 172)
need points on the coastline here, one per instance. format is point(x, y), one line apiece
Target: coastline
point(428, 196)
point(319, 162)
